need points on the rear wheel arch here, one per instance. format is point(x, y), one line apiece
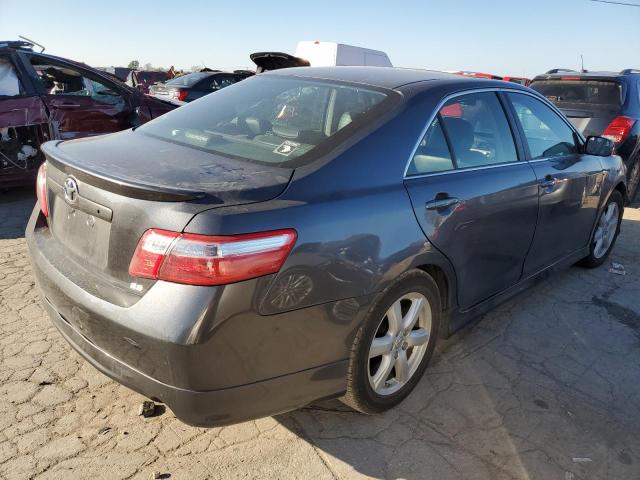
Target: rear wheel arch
point(439, 276)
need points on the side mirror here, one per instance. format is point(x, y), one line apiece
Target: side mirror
point(599, 146)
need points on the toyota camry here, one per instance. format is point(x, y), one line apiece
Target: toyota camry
point(311, 233)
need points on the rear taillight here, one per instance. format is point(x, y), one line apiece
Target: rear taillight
point(619, 129)
point(180, 94)
point(41, 189)
point(210, 260)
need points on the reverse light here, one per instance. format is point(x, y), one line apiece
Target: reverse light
point(210, 260)
point(619, 129)
point(41, 189)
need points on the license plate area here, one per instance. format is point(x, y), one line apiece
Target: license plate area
point(84, 235)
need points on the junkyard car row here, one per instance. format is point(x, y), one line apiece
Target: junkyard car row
point(323, 226)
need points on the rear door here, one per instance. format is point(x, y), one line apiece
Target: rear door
point(590, 105)
point(80, 103)
point(475, 200)
point(569, 182)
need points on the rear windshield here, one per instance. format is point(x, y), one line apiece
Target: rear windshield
point(271, 119)
point(589, 92)
point(189, 79)
point(151, 76)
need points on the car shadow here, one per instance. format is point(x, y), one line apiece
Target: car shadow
point(545, 386)
point(15, 208)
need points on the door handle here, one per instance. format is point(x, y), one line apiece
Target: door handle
point(441, 203)
point(548, 183)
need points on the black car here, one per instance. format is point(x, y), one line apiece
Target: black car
point(600, 103)
point(192, 86)
point(310, 232)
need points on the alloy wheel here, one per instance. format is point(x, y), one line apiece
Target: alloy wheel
point(606, 230)
point(400, 343)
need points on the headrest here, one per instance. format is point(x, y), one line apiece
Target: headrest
point(460, 132)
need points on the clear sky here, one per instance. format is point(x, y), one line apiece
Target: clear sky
point(505, 37)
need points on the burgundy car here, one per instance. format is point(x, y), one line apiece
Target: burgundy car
point(43, 97)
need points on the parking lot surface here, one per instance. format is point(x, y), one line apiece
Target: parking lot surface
point(545, 387)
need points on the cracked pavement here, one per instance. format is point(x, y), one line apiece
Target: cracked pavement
point(547, 386)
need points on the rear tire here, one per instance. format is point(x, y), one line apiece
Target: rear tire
point(606, 232)
point(394, 344)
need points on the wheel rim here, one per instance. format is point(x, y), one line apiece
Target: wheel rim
point(606, 230)
point(400, 343)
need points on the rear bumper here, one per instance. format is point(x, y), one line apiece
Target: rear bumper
point(204, 351)
point(218, 407)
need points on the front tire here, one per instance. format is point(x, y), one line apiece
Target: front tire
point(606, 231)
point(394, 344)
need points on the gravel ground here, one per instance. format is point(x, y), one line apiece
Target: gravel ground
point(545, 387)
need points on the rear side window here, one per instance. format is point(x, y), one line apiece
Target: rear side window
point(10, 85)
point(580, 92)
point(469, 131)
point(546, 133)
point(271, 119)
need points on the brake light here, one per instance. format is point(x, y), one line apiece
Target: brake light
point(180, 94)
point(41, 189)
point(619, 129)
point(210, 260)
point(570, 79)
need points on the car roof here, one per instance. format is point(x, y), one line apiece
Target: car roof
point(385, 77)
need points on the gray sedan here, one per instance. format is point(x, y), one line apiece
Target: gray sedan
point(311, 232)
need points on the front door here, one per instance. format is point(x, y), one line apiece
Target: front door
point(569, 183)
point(475, 200)
point(80, 103)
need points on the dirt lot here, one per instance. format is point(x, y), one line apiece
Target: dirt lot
point(545, 387)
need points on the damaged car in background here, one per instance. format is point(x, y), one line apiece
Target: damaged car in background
point(43, 97)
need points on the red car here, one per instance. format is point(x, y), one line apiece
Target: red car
point(43, 97)
point(519, 80)
point(478, 75)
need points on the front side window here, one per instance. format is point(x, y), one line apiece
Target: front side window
point(64, 80)
point(546, 133)
point(469, 131)
point(270, 119)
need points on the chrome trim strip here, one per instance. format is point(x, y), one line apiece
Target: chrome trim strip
point(480, 90)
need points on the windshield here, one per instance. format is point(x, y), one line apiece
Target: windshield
point(588, 92)
point(188, 80)
point(269, 119)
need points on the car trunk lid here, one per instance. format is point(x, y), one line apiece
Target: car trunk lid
point(105, 192)
point(266, 61)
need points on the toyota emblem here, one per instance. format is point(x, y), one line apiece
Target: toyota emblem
point(70, 190)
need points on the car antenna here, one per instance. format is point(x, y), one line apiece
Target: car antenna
point(32, 42)
point(582, 64)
